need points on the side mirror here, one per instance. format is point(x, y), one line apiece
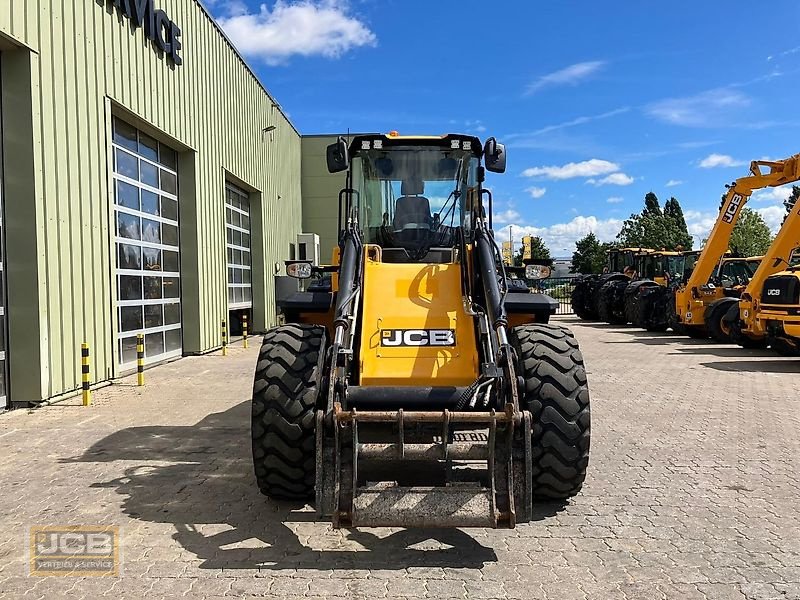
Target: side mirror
point(494, 156)
point(337, 156)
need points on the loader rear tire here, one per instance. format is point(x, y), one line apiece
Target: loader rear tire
point(717, 326)
point(556, 394)
point(605, 305)
point(285, 391)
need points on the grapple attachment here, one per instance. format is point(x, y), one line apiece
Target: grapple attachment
point(424, 468)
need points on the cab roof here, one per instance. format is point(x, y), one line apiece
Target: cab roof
point(385, 141)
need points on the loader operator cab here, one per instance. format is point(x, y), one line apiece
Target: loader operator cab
point(736, 271)
point(411, 199)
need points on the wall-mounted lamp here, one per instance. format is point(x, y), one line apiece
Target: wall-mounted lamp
point(268, 129)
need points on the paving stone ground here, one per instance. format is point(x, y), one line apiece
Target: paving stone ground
point(692, 491)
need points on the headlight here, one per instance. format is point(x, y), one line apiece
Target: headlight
point(537, 272)
point(299, 270)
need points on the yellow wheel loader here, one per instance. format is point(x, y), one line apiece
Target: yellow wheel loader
point(419, 392)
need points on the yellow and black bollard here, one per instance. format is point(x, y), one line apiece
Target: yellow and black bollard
point(140, 359)
point(87, 393)
point(244, 329)
point(224, 339)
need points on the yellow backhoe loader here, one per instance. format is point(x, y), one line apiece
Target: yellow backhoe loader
point(419, 392)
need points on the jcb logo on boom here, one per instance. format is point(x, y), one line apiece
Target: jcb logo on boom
point(418, 337)
point(733, 208)
point(773, 292)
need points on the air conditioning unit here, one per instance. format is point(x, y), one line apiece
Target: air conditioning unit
point(308, 247)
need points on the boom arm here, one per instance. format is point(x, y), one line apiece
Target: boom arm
point(780, 173)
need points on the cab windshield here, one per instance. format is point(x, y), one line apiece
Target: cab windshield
point(412, 197)
point(738, 272)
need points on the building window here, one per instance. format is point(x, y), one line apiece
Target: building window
point(237, 231)
point(146, 246)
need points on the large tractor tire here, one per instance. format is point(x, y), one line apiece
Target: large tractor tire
point(606, 309)
point(718, 328)
point(556, 394)
point(734, 324)
point(632, 308)
point(287, 385)
point(581, 299)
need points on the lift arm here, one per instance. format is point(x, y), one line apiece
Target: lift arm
point(780, 172)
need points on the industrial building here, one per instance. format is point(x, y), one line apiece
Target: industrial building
point(150, 185)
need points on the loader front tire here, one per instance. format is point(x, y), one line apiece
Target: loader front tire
point(556, 394)
point(285, 391)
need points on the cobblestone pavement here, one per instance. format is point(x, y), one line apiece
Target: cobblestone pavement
point(691, 492)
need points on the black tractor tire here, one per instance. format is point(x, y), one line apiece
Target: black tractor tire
point(605, 308)
point(632, 308)
point(556, 393)
point(718, 328)
point(581, 300)
point(285, 391)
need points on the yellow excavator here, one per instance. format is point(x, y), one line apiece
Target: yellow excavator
point(420, 391)
point(699, 304)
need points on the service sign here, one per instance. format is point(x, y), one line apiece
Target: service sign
point(158, 27)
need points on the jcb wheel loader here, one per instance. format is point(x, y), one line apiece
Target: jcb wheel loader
point(418, 392)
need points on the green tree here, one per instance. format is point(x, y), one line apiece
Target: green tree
point(673, 211)
point(790, 201)
point(651, 205)
point(655, 229)
point(750, 236)
point(589, 255)
point(539, 250)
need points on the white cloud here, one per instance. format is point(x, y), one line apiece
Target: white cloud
point(699, 224)
point(773, 216)
point(613, 179)
point(615, 200)
point(507, 216)
point(571, 75)
point(572, 123)
point(674, 182)
point(778, 194)
point(707, 109)
point(720, 160)
point(302, 27)
point(561, 237)
point(536, 192)
point(587, 168)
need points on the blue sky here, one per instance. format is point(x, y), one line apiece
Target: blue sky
point(598, 103)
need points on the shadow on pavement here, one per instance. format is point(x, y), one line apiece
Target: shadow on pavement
point(207, 490)
point(756, 366)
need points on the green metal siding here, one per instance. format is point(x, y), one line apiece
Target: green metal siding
point(320, 193)
point(86, 63)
